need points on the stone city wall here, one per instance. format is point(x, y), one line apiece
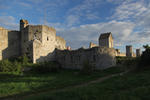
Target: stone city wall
point(100, 57)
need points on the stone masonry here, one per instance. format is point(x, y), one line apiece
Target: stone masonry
point(40, 44)
point(106, 40)
point(129, 52)
point(99, 57)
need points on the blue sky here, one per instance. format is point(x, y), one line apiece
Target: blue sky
point(81, 21)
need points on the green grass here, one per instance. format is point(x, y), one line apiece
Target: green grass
point(132, 86)
point(11, 84)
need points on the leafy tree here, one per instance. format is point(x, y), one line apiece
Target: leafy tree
point(145, 57)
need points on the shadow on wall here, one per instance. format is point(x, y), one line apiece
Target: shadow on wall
point(99, 57)
point(13, 43)
point(49, 57)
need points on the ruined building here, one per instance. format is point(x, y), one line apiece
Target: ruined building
point(91, 45)
point(40, 43)
point(36, 41)
point(106, 40)
point(101, 57)
point(138, 52)
point(118, 53)
point(129, 51)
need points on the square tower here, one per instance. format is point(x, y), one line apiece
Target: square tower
point(106, 40)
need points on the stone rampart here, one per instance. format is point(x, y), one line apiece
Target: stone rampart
point(100, 57)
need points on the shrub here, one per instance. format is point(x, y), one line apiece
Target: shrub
point(24, 60)
point(8, 66)
point(45, 67)
point(145, 57)
point(128, 63)
point(87, 68)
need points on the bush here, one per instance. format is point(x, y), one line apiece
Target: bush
point(24, 60)
point(128, 63)
point(145, 57)
point(8, 66)
point(45, 67)
point(87, 68)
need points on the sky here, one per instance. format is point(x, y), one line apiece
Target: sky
point(80, 22)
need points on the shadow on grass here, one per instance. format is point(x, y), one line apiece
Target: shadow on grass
point(59, 80)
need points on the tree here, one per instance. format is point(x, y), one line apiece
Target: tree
point(145, 57)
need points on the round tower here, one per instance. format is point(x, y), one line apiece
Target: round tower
point(138, 52)
point(129, 52)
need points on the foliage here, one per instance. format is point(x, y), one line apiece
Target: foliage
point(125, 60)
point(145, 57)
point(45, 67)
point(8, 66)
point(24, 60)
point(87, 68)
point(14, 64)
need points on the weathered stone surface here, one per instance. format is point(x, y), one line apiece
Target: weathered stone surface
point(138, 52)
point(91, 45)
point(60, 43)
point(44, 42)
point(106, 40)
point(9, 43)
point(100, 57)
point(129, 52)
point(39, 43)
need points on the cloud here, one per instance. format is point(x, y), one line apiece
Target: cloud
point(35, 1)
point(85, 10)
point(23, 4)
point(136, 12)
point(130, 10)
point(84, 34)
point(8, 22)
point(129, 23)
point(71, 20)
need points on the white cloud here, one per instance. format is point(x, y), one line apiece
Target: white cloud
point(136, 12)
point(85, 33)
point(85, 10)
point(8, 22)
point(36, 1)
point(23, 4)
point(129, 24)
point(71, 20)
point(130, 10)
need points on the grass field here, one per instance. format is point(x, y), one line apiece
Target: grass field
point(29, 83)
point(132, 86)
point(62, 86)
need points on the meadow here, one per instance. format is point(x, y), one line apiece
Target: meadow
point(12, 85)
point(128, 80)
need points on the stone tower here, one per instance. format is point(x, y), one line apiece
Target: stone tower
point(106, 40)
point(129, 52)
point(23, 24)
point(138, 52)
